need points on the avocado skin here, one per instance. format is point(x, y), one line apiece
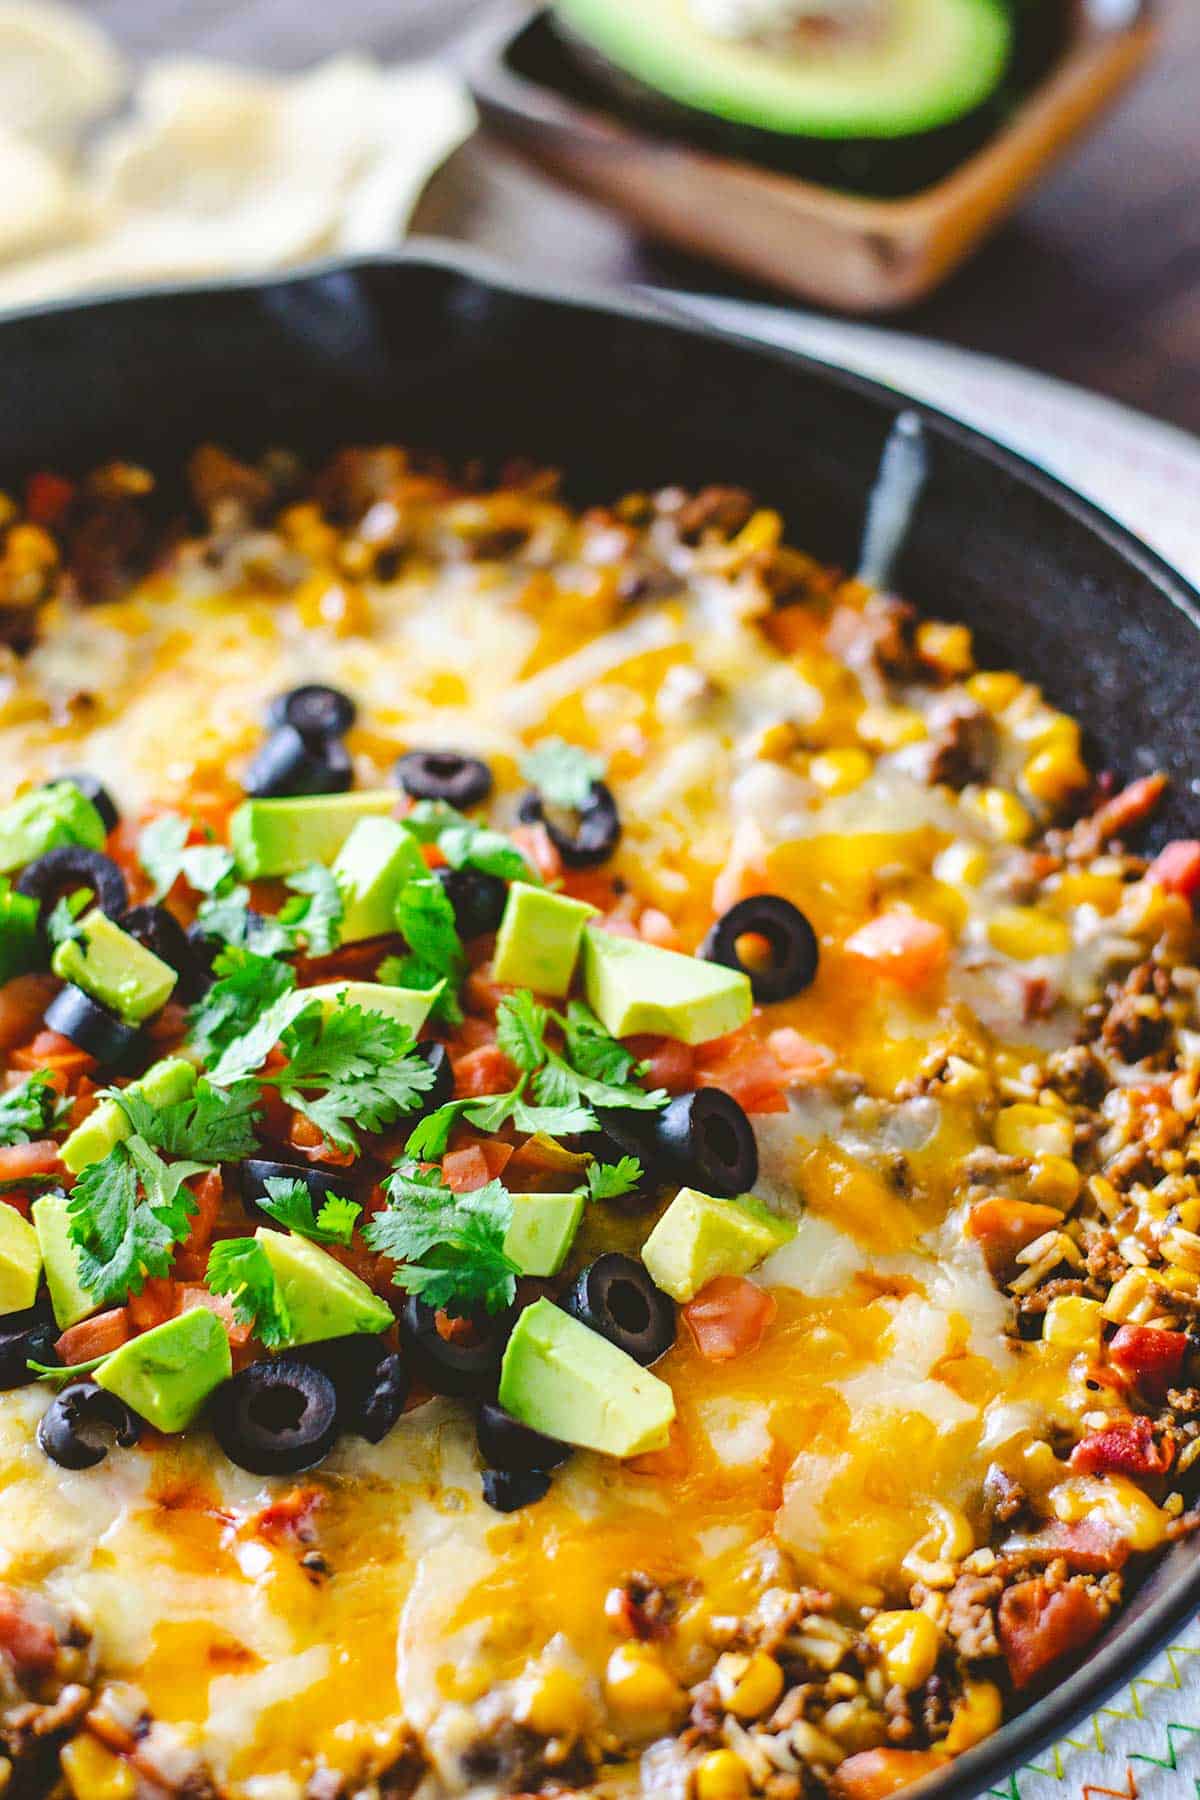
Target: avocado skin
point(878, 168)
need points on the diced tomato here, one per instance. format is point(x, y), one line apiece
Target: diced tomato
point(535, 844)
point(1128, 808)
point(474, 1165)
point(799, 1058)
point(1004, 1227)
point(434, 856)
point(875, 1774)
point(291, 1516)
point(97, 1336)
point(192, 1294)
point(50, 1050)
point(728, 1317)
point(169, 1026)
point(191, 1258)
point(669, 1064)
point(483, 1071)
point(746, 1068)
point(23, 1000)
point(306, 1137)
point(1177, 867)
point(19, 1161)
point(1088, 1546)
point(31, 1642)
point(159, 1300)
point(482, 995)
point(596, 886)
point(1039, 1624)
point(47, 497)
point(356, 961)
point(1127, 1447)
point(904, 948)
point(1152, 1358)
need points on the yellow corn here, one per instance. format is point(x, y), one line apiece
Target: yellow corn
point(555, 1705)
point(839, 771)
point(749, 1686)
point(93, 1772)
point(762, 531)
point(1182, 1248)
point(306, 528)
point(1056, 1181)
point(1001, 812)
point(1054, 773)
point(948, 647)
point(29, 547)
point(994, 688)
point(1027, 1130)
point(890, 727)
point(961, 864)
point(908, 1643)
point(1023, 932)
point(722, 1776)
point(775, 742)
point(1126, 1296)
point(976, 1715)
point(1081, 887)
point(1073, 1323)
point(640, 1686)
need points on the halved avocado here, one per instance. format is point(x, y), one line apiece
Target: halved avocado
point(885, 111)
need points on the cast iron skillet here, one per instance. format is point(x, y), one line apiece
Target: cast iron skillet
point(438, 349)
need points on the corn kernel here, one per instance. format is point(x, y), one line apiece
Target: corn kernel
point(948, 647)
point(763, 530)
point(1023, 932)
point(976, 1715)
point(840, 771)
point(908, 1643)
point(1001, 812)
point(1056, 1181)
point(961, 864)
point(1073, 1323)
point(555, 1705)
point(749, 1686)
point(1116, 1500)
point(1054, 773)
point(776, 742)
point(639, 1685)
point(1125, 1297)
point(1026, 1130)
point(93, 1772)
point(890, 727)
point(1082, 887)
point(994, 689)
point(722, 1776)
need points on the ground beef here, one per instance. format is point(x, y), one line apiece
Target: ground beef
point(971, 1616)
point(723, 510)
point(1078, 1075)
point(1136, 1026)
point(961, 745)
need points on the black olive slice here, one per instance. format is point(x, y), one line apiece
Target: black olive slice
point(371, 1382)
point(616, 1297)
point(508, 1490)
point(504, 1443)
point(157, 928)
point(65, 870)
point(92, 790)
point(478, 899)
point(792, 948)
point(73, 1429)
point(316, 712)
point(592, 836)
point(383, 1402)
point(256, 1171)
point(453, 1365)
point(708, 1143)
point(93, 1028)
point(276, 1418)
point(288, 765)
point(444, 775)
point(18, 1348)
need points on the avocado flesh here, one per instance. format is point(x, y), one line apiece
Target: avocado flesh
point(20, 1261)
point(570, 1383)
point(166, 1374)
point(69, 1298)
point(935, 62)
point(322, 1297)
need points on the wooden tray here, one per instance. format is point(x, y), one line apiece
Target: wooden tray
point(856, 254)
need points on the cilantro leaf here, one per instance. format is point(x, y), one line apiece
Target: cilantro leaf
point(594, 1051)
point(363, 1065)
point(31, 1109)
point(121, 1237)
point(425, 917)
point(450, 1246)
point(554, 1121)
point(466, 845)
point(290, 1204)
point(216, 1124)
point(427, 1140)
point(521, 1029)
point(247, 986)
point(62, 924)
point(608, 1181)
point(315, 914)
point(164, 853)
point(562, 773)
point(241, 1268)
point(558, 1084)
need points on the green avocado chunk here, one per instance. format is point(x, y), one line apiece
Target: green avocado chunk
point(44, 820)
point(560, 1378)
point(115, 969)
point(60, 1259)
point(408, 1006)
point(542, 1231)
point(699, 1238)
point(634, 987)
point(19, 947)
point(277, 837)
point(164, 1084)
point(372, 866)
point(930, 63)
point(323, 1299)
point(20, 1261)
point(538, 942)
point(166, 1374)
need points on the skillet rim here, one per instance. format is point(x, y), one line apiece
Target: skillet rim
point(1151, 1622)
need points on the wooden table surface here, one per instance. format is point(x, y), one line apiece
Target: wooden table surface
point(1096, 279)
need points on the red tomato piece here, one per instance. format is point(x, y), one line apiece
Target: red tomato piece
point(31, 1642)
point(483, 1071)
point(474, 1165)
point(1039, 1624)
point(1177, 867)
point(97, 1336)
point(1152, 1358)
point(728, 1317)
point(876, 1774)
point(668, 1064)
point(904, 948)
point(1125, 1448)
point(19, 1161)
point(746, 1068)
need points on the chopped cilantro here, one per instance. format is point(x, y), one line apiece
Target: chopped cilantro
point(290, 1204)
point(349, 1067)
point(124, 1235)
point(62, 924)
point(241, 1268)
point(248, 986)
point(521, 1029)
point(608, 1181)
point(450, 1246)
point(594, 1052)
point(562, 773)
point(31, 1109)
point(425, 917)
point(466, 845)
point(164, 853)
point(314, 916)
point(216, 1124)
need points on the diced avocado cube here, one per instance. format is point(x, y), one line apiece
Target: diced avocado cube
point(635, 988)
point(699, 1238)
point(20, 1261)
point(372, 866)
point(277, 837)
point(168, 1373)
point(115, 969)
point(538, 942)
point(323, 1299)
point(19, 947)
point(44, 820)
point(542, 1231)
point(408, 1006)
point(60, 1259)
point(164, 1084)
point(562, 1379)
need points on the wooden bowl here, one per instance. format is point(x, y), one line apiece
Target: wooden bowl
point(854, 253)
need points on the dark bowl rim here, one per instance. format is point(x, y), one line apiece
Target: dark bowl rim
point(1053, 1715)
